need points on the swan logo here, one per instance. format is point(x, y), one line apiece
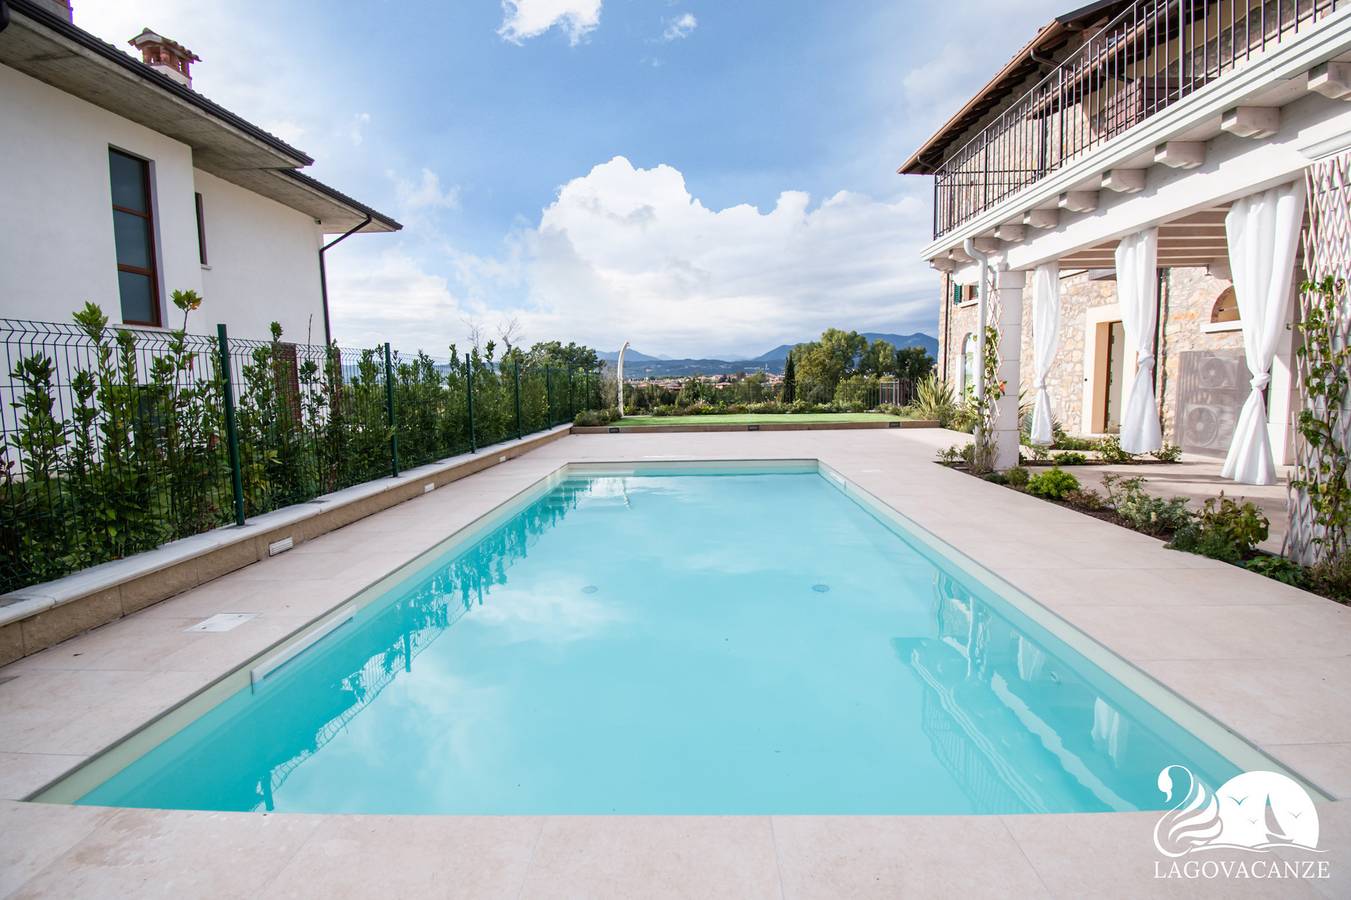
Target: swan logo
point(1254, 811)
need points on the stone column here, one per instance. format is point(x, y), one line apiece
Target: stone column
point(1009, 285)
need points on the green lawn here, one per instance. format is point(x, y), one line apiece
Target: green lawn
point(754, 419)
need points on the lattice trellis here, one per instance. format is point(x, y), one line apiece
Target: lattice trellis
point(993, 309)
point(1327, 252)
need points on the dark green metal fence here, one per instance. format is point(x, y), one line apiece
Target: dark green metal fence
point(117, 440)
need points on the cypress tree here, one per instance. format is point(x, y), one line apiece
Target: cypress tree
point(789, 380)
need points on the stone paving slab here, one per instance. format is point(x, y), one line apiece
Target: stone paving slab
point(1272, 663)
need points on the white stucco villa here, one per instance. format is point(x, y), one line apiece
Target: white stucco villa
point(124, 184)
point(1143, 185)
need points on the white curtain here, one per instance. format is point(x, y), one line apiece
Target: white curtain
point(1137, 288)
point(1045, 333)
point(1263, 231)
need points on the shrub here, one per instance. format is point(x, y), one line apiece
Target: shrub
point(1052, 484)
point(934, 400)
point(996, 477)
point(1017, 477)
point(1332, 577)
point(1224, 530)
point(590, 418)
point(1036, 453)
point(1145, 512)
point(957, 453)
point(1168, 453)
point(1110, 451)
point(1278, 568)
point(856, 392)
point(1086, 498)
point(1069, 442)
point(1071, 458)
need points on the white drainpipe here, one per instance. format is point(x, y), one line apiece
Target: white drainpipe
point(982, 312)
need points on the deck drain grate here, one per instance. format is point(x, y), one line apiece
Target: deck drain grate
point(221, 622)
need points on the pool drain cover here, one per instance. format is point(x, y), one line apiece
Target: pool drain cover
point(821, 588)
point(590, 589)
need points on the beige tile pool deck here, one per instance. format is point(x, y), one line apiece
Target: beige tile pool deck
point(1270, 662)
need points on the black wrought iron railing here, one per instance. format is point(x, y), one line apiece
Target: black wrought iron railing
point(115, 440)
point(1145, 60)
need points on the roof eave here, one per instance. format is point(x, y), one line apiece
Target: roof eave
point(107, 52)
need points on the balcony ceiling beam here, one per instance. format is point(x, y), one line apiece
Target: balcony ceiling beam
point(1079, 201)
point(1124, 181)
point(1180, 154)
point(1251, 121)
point(1331, 79)
point(1012, 233)
point(1041, 218)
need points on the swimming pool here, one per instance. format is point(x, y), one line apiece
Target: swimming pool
point(676, 639)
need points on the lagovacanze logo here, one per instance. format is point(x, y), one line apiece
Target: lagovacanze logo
point(1254, 811)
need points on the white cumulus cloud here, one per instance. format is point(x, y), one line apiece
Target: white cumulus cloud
point(632, 255)
point(627, 253)
point(424, 193)
point(680, 27)
point(524, 19)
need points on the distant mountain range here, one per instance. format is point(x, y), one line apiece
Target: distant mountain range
point(644, 365)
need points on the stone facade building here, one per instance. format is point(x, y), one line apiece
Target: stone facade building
point(1198, 330)
point(1173, 143)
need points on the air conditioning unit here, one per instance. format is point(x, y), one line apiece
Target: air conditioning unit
point(1212, 387)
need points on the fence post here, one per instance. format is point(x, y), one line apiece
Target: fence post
point(231, 430)
point(469, 381)
point(519, 433)
point(549, 396)
point(393, 419)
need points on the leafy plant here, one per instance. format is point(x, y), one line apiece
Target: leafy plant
point(1053, 484)
point(1017, 477)
point(1086, 498)
point(1224, 530)
point(1142, 511)
point(1331, 577)
point(1109, 451)
point(1169, 453)
point(987, 404)
point(1036, 453)
point(934, 400)
point(594, 417)
point(1070, 442)
point(1278, 568)
point(1070, 458)
point(1323, 475)
point(957, 454)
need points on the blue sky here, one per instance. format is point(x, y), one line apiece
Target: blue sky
point(703, 178)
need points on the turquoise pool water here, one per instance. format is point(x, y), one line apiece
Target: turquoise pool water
point(669, 643)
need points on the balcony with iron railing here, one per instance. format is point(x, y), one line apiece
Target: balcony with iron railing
point(1147, 59)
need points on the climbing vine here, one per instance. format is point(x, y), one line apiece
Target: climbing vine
point(1322, 475)
point(987, 405)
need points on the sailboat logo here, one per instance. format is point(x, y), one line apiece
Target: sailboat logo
point(1256, 811)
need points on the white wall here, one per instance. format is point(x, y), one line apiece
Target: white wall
point(262, 264)
point(57, 221)
point(56, 204)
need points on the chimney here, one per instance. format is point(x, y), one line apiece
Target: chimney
point(58, 8)
point(166, 56)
